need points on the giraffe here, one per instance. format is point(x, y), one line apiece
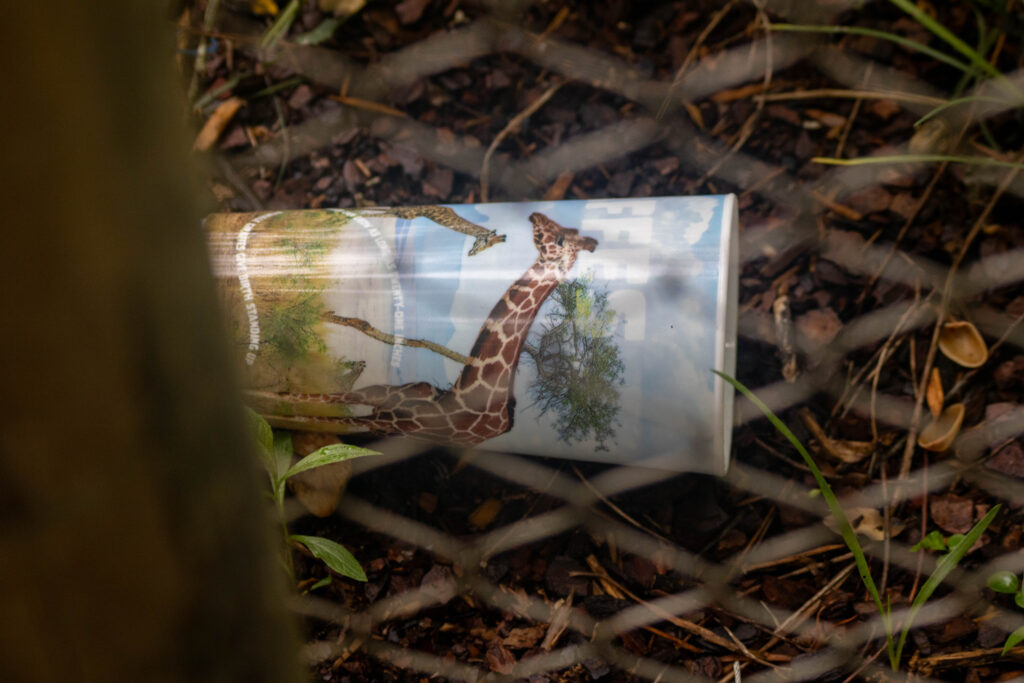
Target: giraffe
point(480, 405)
point(445, 216)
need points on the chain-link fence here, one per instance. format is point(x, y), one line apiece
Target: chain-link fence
point(804, 220)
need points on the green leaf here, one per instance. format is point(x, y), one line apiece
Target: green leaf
point(261, 431)
point(338, 452)
point(944, 566)
point(826, 491)
point(324, 30)
point(1018, 599)
point(282, 460)
point(978, 61)
point(882, 35)
point(933, 541)
point(264, 437)
point(334, 555)
point(953, 539)
point(280, 27)
point(326, 581)
point(1003, 582)
point(1013, 639)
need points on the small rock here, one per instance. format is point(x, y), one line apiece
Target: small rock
point(819, 326)
point(300, 97)
point(410, 11)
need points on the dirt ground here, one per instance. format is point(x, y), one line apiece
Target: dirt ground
point(843, 273)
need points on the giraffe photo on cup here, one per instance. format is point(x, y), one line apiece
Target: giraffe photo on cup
point(480, 405)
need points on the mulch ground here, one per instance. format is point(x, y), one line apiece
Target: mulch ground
point(700, 514)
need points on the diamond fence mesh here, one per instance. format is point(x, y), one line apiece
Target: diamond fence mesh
point(798, 216)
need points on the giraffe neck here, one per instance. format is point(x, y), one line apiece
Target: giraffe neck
point(495, 353)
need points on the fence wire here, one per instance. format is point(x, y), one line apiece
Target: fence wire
point(801, 209)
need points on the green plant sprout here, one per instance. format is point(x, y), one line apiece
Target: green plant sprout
point(971, 62)
point(1007, 582)
point(276, 453)
point(945, 565)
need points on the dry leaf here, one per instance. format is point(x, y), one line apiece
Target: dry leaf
point(485, 513)
point(267, 8)
point(961, 342)
point(342, 8)
point(557, 189)
point(938, 434)
point(868, 522)
point(952, 513)
point(524, 637)
point(319, 489)
point(217, 122)
point(840, 449)
point(934, 394)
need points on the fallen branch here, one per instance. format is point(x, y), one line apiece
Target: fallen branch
point(371, 331)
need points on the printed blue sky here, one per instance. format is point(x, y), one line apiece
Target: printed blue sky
point(657, 259)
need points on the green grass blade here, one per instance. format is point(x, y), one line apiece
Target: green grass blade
point(918, 159)
point(334, 555)
point(947, 36)
point(845, 529)
point(327, 455)
point(957, 102)
point(1012, 640)
point(937, 55)
point(280, 27)
point(945, 565)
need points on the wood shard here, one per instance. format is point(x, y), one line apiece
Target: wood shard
point(934, 394)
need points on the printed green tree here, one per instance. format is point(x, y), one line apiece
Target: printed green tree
point(579, 364)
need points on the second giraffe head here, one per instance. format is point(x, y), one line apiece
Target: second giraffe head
point(557, 244)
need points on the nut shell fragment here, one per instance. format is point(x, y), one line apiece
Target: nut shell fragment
point(938, 435)
point(961, 342)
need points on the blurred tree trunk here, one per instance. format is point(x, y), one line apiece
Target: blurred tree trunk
point(133, 541)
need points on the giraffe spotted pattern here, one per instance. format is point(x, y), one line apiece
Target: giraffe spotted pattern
point(480, 405)
point(443, 215)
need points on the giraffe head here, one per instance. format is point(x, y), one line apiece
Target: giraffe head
point(486, 242)
point(558, 245)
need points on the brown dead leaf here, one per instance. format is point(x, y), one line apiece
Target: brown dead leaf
point(840, 449)
point(952, 513)
point(217, 122)
point(868, 522)
point(934, 394)
point(485, 513)
point(740, 93)
point(319, 489)
point(341, 8)
point(558, 188)
point(410, 11)
point(524, 637)
point(499, 659)
point(1009, 460)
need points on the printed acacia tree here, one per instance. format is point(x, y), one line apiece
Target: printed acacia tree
point(579, 364)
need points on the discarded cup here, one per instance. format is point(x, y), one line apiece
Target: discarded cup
point(581, 329)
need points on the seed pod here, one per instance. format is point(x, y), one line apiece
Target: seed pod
point(938, 435)
point(961, 342)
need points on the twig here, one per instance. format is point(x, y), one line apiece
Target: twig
point(231, 175)
point(485, 170)
point(947, 293)
point(747, 129)
point(853, 95)
point(381, 336)
point(619, 511)
point(848, 126)
point(691, 55)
